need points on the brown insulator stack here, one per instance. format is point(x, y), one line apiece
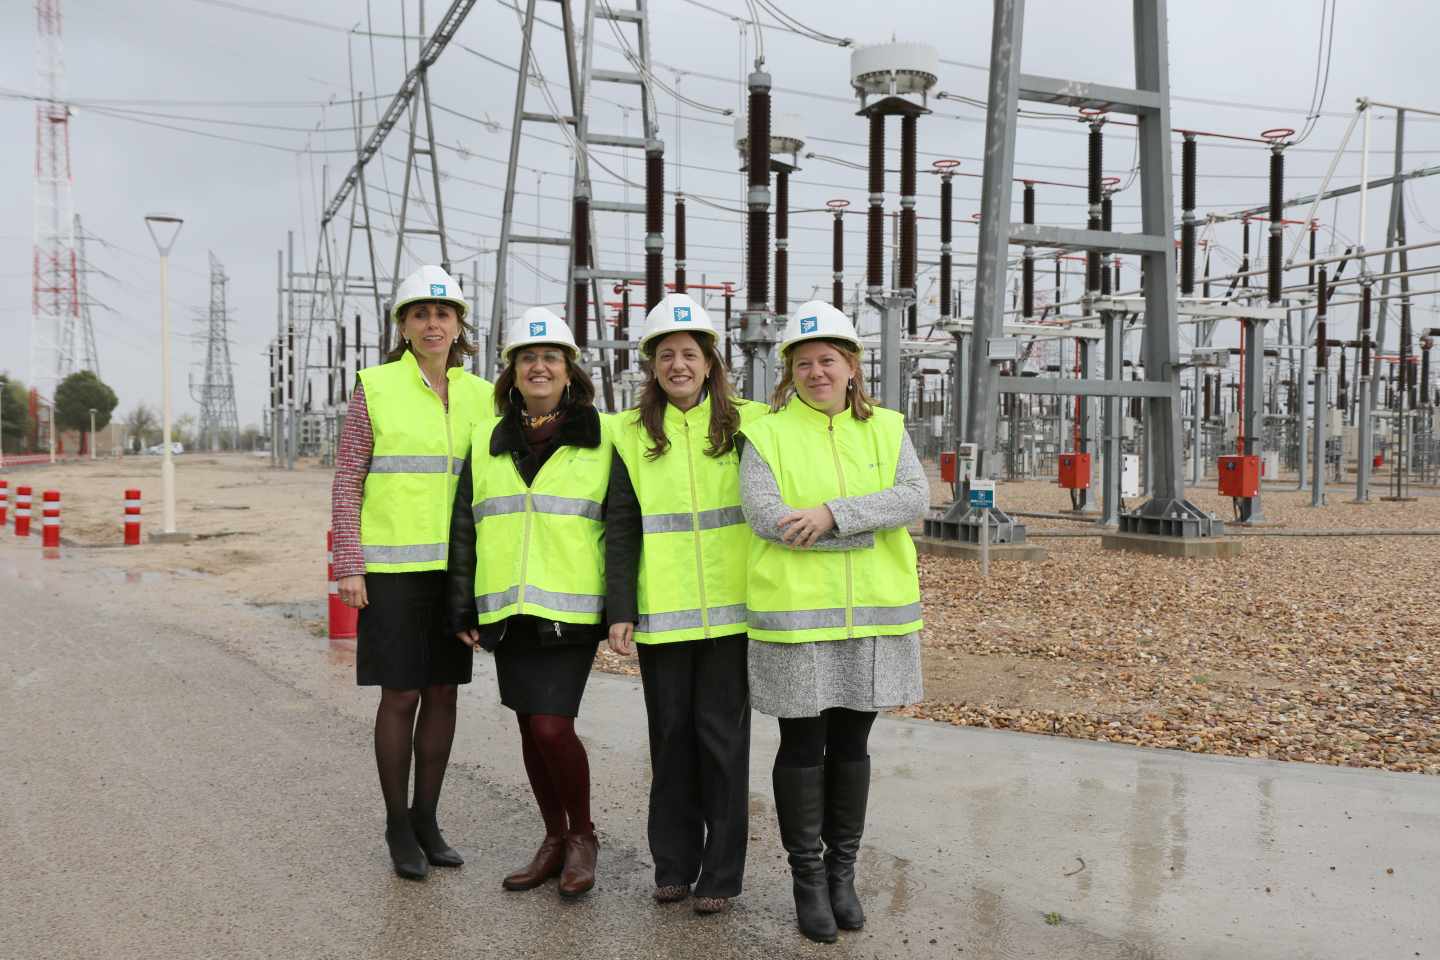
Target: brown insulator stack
point(1094, 258)
point(1187, 215)
point(947, 207)
point(837, 260)
point(1322, 350)
point(622, 330)
point(1365, 302)
point(679, 243)
point(580, 230)
point(782, 242)
point(875, 215)
point(1027, 261)
point(654, 223)
point(1407, 376)
point(1107, 222)
point(341, 361)
point(758, 197)
point(907, 205)
point(1273, 255)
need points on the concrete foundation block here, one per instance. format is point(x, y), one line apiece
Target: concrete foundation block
point(171, 537)
point(971, 551)
point(1199, 548)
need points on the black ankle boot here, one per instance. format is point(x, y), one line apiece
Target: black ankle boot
point(800, 806)
point(847, 788)
point(405, 851)
point(432, 841)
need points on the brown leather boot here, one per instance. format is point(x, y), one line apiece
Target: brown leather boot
point(547, 863)
point(581, 852)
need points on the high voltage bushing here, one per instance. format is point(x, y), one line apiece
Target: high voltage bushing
point(1426, 342)
point(907, 206)
point(1365, 369)
point(580, 230)
point(654, 223)
point(947, 211)
point(1322, 299)
point(1343, 386)
point(782, 240)
point(1274, 255)
point(680, 243)
point(875, 214)
point(622, 329)
point(1407, 377)
point(758, 197)
point(1093, 261)
point(837, 252)
point(1027, 262)
point(1187, 215)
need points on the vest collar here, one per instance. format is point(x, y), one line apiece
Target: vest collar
point(699, 413)
point(408, 359)
point(808, 414)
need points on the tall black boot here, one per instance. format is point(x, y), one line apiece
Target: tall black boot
point(847, 788)
point(800, 807)
point(405, 852)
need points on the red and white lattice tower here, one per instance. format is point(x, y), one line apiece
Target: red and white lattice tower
point(55, 302)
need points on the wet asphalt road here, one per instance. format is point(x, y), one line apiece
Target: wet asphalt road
point(186, 776)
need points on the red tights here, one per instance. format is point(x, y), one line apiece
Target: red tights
point(559, 771)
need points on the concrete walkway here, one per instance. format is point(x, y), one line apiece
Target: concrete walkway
point(183, 784)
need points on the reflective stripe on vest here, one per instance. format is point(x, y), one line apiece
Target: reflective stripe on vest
point(685, 522)
point(691, 577)
point(418, 450)
point(802, 596)
point(540, 549)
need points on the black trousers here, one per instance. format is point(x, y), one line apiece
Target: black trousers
point(697, 700)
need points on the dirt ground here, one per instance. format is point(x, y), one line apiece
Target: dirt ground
point(1322, 649)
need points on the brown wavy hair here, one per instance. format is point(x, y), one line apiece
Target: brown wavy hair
point(724, 416)
point(861, 406)
point(459, 350)
point(580, 393)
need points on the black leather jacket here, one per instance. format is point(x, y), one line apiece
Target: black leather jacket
point(581, 428)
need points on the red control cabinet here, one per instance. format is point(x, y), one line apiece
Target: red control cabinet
point(947, 466)
point(1239, 476)
point(1075, 471)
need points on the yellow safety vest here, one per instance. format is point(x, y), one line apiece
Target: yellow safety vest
point(691, 582)
point(799, 596)
point(419, 450)
point(542, 547)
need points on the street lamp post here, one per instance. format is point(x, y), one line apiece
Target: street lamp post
point(92, 433)
point(163, 230)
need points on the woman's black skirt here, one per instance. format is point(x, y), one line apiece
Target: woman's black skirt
point(402, 641)
point(539, 672)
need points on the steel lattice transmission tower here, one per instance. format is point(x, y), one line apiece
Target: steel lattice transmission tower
point(77, 344)
point(216, 393)
point(55, 302)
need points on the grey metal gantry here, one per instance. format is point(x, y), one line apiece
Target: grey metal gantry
point(1167, 513)
point(581, 241)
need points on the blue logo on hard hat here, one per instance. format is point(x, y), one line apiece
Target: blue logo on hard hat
point(537, 328)
point(682, 314)
point(809, 324)
point(437, 289)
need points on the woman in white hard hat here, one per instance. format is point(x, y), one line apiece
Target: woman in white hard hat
point(675, 544)
point(406, 433)
point(829, 483)
point(533, 494)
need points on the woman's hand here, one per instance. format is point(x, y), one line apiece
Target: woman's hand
point(352, 591)
point(622, 638)
point(470, 637)
point(803, 527)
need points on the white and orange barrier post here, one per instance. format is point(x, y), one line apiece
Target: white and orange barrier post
point(132, 518)
point(4, 501)
point(50, 519)
point(22, 511)
point(343, 619)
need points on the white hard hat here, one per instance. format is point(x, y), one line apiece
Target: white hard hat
point(817, 320)
point(677, 313)
point(538, 325)
point(428, 283)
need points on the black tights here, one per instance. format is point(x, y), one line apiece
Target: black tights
point(838, 733)
point(398, 733)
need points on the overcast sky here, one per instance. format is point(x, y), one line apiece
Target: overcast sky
point(149, 78)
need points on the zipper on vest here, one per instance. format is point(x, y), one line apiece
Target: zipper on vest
point(695, 526)
point(849, 573)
